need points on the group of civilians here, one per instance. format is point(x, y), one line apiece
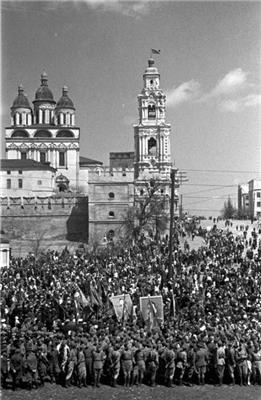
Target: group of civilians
point(212, 314)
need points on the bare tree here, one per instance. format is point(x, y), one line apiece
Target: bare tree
point(149, 213)
point(228, 211)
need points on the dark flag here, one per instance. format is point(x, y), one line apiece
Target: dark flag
point(154, 51)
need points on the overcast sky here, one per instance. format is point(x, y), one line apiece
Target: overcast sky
point(210, 71)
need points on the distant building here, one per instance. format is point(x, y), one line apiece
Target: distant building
point(42, 155)
point(111, 194)
point(26, 178)
point(243, 200)
point(122, 159)
point(45, 133)
point(152, 132)
point(114, 189)
point(254, 190)
point(4, 252)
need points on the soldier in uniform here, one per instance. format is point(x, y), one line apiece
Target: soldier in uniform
point(16, 367)
point(169, 357)
point(190, 368)
point(201, 361)
point(5, 366)
point(63, 357)
point(152, 365)
point(257, 363)
point(81, 366)
point(52, 357)
point(98, 358)
point(115, 364)
point(220, 362)
point(181, 363)
point(127, 363)
point(242, 365)
point(31, 365)
point(88, 350)
point(139, 365)
point(231, 362)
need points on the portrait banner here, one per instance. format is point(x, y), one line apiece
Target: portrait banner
point(152, 311)
point(122, 305)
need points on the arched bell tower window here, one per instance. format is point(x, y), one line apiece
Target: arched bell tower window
point(151, 111)
point(152, 146)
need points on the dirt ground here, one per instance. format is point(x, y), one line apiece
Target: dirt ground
point(207, 392)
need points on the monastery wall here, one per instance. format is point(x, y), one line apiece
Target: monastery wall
point(35, 223)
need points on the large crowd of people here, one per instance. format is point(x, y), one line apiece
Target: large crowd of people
point(212, 314)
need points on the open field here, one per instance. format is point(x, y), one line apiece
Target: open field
point(207, 392)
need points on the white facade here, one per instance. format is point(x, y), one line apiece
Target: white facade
point(152, 133)
point(254, 189)
point(46, 134)
point(243, 199)
point(26, 180)
point(4, 253)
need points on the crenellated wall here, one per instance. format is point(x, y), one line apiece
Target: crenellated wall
point(33, 223)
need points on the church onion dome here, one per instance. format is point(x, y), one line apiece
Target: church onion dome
point(21, 101)
point(44, 93)
point(151, 69)
point(65, 101)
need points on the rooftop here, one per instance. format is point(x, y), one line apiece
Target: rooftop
point(89, 161)
point(24, 165)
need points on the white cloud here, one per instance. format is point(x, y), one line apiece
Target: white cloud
point(252, 100)
point(229, 106)
point(232, 82)
point(239, 104)
point(125, 7)
point(187, 91)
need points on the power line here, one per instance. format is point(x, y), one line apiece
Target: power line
point(221, 171)
point(203, 209)
point(205, 190)
point(206, 184)
point(208, 197)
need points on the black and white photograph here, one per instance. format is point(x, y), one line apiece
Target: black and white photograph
point(130, 192)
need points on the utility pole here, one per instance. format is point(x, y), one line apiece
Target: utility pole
point(177, 178)
point(181, 178)
point(180, 207)
point(171, 226)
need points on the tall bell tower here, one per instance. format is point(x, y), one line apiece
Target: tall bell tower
point(152, 133)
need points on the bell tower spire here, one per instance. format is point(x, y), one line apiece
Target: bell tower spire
point(152, 133)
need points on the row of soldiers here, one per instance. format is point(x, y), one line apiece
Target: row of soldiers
point(82, 360)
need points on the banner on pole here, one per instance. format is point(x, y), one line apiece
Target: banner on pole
point(152, 311)
point(122, 305)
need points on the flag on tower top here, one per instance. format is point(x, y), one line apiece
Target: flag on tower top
point(154, 51)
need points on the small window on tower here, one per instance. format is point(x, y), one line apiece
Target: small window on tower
point(8, 184)
point(111, 214)
point(42, 157)
point(151, 111)
point(152, 146)
point(111, 195)
point(61, 159)
point(151, 82)
point(20, 183)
